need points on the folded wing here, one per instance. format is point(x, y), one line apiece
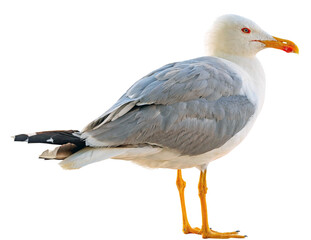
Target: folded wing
point(191, 107)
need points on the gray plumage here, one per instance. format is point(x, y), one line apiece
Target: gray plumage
point(191, 107)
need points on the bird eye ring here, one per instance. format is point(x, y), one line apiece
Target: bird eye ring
point(246, 30)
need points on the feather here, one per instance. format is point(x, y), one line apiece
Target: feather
point(90, 155)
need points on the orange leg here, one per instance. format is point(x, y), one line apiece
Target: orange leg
point(181, 184)
point(205, 231)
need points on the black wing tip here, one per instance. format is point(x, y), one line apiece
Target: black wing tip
point(21, 137)
point(58, 137)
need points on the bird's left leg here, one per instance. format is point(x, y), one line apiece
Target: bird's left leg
point(181, 184)
point(205, 230)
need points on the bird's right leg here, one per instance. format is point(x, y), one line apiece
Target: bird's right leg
point(181, 184)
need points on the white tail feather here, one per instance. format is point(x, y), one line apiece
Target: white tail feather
point(90, 155)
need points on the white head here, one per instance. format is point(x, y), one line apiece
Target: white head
point(239, 36)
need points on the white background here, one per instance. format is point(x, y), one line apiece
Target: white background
point(63, 63)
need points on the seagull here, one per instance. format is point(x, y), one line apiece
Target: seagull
point(185, 114)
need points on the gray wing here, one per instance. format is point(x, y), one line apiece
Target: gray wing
point(177, 107)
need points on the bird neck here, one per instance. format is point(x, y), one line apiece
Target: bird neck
point(250, 64)
point(254, 82)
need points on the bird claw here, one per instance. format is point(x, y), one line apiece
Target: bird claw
point(219, 235)
point(211, 233)
point(189, 229)
point(235, 232)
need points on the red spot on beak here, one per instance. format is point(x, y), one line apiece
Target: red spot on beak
point(287, 49)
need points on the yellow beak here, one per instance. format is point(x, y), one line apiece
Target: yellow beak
point(283, 44)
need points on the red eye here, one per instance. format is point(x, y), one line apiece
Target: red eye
point(246, 30)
